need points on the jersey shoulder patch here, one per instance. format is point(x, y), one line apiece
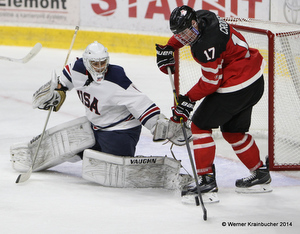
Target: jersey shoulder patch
point(116, 75)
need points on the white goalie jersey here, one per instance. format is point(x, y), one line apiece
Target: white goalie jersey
point(112, 104)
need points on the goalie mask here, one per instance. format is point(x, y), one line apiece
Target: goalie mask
point(96, 60)
point(183, 24)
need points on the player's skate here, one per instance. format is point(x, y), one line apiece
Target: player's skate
point(208, 188)
point(258, 182)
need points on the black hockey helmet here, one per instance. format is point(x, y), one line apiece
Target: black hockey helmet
point(181, 18)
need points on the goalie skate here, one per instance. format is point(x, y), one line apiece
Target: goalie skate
point(60, 144)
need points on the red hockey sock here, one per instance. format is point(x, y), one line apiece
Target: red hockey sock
point(245, 148)
point(204, 149)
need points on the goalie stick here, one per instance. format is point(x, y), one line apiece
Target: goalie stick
point(33, 52)
point(189, 152)
point(25, 176)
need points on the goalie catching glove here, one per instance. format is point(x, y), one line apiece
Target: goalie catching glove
point(183, 109)
point(167, 129)
point(47, 95)
point(165, 58)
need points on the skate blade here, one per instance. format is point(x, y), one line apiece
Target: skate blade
point(207, 198)
point(260, 188)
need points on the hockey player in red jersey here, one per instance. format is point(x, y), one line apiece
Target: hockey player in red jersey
point(231, 84)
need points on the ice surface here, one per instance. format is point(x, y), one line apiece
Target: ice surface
point(60, 201)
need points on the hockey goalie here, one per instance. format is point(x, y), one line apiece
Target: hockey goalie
point(106, 138)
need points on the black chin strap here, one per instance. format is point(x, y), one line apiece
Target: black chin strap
point(89, 80)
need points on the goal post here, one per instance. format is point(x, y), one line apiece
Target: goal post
point(276, 117)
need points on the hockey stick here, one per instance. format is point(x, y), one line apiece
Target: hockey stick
point(25, 176)
point(189, 152)
point(33, 52)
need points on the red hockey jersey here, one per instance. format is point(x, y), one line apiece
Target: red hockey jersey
point(227, 62)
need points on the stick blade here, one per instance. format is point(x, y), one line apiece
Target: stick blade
point(24, 177)
point(33, 52)
point(205, 215)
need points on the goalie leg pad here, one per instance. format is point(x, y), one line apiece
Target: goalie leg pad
point(59, 144)
point(130, 172)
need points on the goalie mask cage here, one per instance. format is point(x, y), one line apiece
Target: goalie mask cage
point(276, 117)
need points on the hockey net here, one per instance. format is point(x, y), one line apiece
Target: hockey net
point(276, 118)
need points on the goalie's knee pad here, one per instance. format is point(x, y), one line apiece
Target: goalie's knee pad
point(130, 172)
point(59, 144)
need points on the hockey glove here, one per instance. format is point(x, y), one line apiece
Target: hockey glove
point(165, 58)
point(47, 96)
point(183, 109)
point(167, 129)
point(175, 133)
point(56, 101)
